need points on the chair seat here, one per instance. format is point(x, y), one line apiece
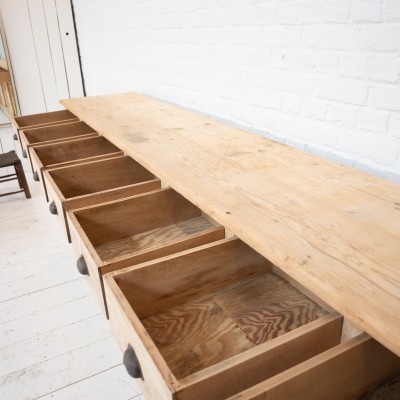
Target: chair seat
point(8, 159)
point(11, 159)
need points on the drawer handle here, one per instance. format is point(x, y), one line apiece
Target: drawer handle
point(24, 154)
point(36, 176)
point(53, 208)
point(131, 363)
point(15, 136)
point(82, 266)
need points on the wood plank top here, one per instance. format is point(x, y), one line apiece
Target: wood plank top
point(333, 229)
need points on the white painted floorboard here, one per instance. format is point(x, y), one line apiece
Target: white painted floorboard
point(55, 343)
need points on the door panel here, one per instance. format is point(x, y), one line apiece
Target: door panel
point(68, 39)
point(43, 54)
point(17, 26)
point(56, 49)
point(43, 51)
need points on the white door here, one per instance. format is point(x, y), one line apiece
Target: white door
point(43, 50)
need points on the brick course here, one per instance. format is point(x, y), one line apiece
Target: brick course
point(322, 75)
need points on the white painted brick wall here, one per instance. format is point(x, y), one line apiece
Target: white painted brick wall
point(321, 75)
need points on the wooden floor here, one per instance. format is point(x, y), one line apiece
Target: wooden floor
point(55, 343)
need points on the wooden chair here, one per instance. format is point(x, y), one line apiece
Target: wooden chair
point(11, 159)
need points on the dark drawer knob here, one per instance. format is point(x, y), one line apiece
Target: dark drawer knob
point(15, 136)
point(24, 154)
point(131, 363)
point(53, 208)
point(36, 176)
point(82, 266)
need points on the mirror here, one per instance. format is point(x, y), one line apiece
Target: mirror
point(7, 93)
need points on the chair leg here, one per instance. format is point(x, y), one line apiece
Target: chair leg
point(21, 186)
point(22, 180)
point(20, 183)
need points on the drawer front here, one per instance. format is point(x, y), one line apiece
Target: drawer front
point(44, 119)
point(45, 124)
point(84, 160)
point(24, 141)
point(92, 274)
point(346, 371)
point(37, 169)
point(152, 381)
point(26, 144)
point(56, 206)
point(55, 133)
point(111, 195)
point(200, 239)
point(30, 156)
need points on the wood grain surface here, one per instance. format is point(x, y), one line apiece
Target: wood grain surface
point(195, 335)
point(267, 306)
point(199, 333)
point(333, 229)
point(154, 238)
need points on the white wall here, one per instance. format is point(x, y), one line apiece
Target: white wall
point(322, 75)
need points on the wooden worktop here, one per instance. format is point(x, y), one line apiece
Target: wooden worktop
point(333, 229)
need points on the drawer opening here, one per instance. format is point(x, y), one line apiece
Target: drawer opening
point(220, 315)
point(74, 150)
point(123, 228)
point(346, 371)
point(44, 118)
point(47, 133)
point(99, 176)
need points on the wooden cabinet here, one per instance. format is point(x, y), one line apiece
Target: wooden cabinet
point(333, 229)
point(237, 278)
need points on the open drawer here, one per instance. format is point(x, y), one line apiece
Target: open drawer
point(74, 152)
point(54, 134)
point(216, 321)
point(43, 119)
point(346, 371)
point(130, 231)
point(95, 182)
